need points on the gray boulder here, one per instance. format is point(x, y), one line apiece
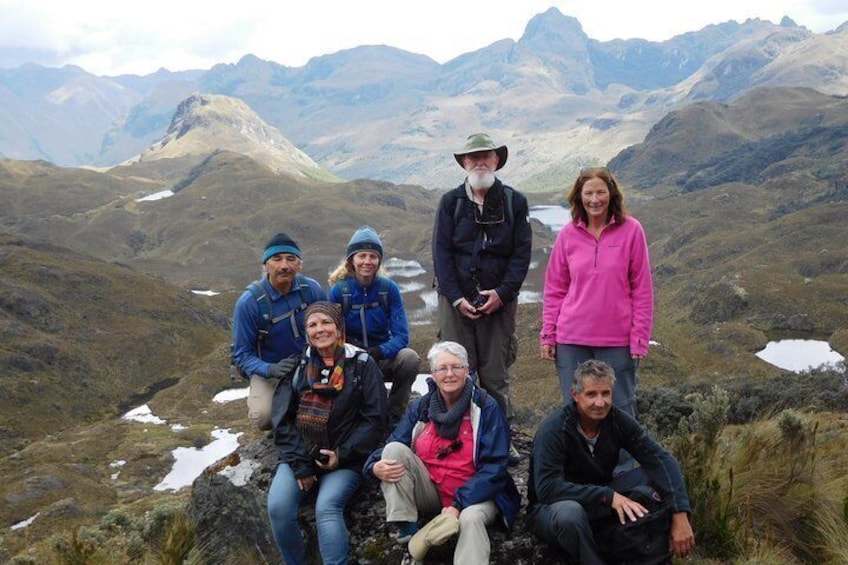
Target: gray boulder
point(228, 506)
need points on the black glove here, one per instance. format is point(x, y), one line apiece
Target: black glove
point(376, 353)
point(283, 367)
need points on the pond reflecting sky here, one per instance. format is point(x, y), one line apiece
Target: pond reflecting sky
point(799, 355)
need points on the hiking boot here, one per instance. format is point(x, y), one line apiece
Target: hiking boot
point(514, 456)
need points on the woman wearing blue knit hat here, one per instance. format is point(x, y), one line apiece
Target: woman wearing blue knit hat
point(375, 318)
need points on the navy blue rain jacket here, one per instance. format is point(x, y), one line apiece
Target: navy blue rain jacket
point(491, 480)
point(503, 259)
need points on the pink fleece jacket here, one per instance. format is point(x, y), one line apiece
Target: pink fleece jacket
point(599, 293)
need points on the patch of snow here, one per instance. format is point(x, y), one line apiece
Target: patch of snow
point(24, 523)
point(189, 462)
point(231, 394)
point(156, 196)
point(144, 415)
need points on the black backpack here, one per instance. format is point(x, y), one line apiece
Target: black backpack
point(643, 542)
point(263, 302)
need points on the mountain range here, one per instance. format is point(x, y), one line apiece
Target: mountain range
point(737, 173)
point(558, 98)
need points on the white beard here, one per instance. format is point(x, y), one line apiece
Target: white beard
point(481, 180)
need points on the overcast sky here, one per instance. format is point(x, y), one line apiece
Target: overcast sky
point(109, 37)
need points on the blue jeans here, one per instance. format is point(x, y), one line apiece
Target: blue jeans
point(568, 357)
point(335, 489)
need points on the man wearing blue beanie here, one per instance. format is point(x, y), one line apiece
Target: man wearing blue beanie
point(268, 336)
point(375, 318)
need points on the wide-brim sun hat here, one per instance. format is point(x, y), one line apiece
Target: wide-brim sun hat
point(482, 142)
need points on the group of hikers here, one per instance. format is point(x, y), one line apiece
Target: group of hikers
point(319, 363)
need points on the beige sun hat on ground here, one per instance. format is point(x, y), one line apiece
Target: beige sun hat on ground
point(482, 142)
point(437, 531)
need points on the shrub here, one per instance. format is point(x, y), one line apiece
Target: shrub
point(80, 548)
point(115, 520)
point(819, 389)
point(662, 409)
point(157, 522)
point(695, 445)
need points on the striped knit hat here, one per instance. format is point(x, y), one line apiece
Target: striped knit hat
point(329, 309)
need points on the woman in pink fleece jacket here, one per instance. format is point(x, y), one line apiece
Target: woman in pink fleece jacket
point(598, 297)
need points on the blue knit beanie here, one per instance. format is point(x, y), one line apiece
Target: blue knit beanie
point(280, 243)
point(365, 239)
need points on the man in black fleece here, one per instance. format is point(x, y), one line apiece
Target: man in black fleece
point(571, 491)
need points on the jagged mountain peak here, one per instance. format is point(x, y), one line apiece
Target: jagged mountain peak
point(552, 25)
point(206, 123)
point(786, 21)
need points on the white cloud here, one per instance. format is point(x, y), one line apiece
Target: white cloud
point(108, 37)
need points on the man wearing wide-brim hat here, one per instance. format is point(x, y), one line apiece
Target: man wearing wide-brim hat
point(481, 253)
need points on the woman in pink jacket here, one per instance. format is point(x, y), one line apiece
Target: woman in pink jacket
point(598, 297)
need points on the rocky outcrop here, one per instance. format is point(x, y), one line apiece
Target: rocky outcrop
point(206, 123)
point(228, 506)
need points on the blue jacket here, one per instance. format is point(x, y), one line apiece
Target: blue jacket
point(286, 337)
point(492, 480)
point(563, 468)
point(372, 327)
point(504, 248)
point(356, 422)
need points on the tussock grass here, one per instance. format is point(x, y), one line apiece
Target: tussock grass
point(761, 493)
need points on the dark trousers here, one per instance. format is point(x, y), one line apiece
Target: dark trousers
point(487, 340)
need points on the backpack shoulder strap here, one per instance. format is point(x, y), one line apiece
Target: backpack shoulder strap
point(384, 295)
point(346, 294)
point(457, 210)
point(264, 305)
point(307, 295)
point(297, 378)
point(508, 194)
point(359, 370)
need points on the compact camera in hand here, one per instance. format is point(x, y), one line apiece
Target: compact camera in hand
point(478, 301)
point(316, 455)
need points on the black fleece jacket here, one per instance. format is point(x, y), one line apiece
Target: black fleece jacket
point(563, 468)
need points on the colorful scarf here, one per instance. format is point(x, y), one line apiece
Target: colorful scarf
point(322, 386)
point(446, 421)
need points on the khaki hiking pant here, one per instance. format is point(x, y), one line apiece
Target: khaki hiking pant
point(416, 491)
point(259, 400)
